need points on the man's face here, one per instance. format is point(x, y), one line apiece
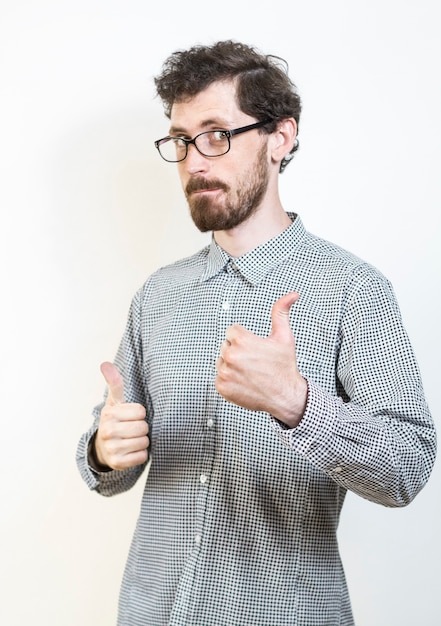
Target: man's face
point(222, 192)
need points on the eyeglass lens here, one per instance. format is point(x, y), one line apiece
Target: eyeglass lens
point(211, 143)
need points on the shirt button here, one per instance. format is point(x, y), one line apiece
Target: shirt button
point(338, 469)
point(210, 423)
point(225, 305)
point(197, 539)
point(203, 479)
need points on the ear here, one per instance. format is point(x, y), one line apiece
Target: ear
point(282, 139)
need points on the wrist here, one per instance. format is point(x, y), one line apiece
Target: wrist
point(92, 457)
point(291, 414)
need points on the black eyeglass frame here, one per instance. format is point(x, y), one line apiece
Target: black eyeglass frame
point(228, 135)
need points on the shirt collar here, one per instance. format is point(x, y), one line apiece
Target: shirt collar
point(257, 263)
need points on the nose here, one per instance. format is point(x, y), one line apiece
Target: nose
point(195, 161)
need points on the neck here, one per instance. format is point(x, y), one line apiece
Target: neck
point(259, 228)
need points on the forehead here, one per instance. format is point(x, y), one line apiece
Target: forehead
point(215, 104)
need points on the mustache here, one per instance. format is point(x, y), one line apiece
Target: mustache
point(196, 184)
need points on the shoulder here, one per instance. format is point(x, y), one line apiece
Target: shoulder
point(332, 258)
point(173, 277)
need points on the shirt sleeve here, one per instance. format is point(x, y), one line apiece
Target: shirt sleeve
point(107, 483)
point(375, 436)
point(129, 362)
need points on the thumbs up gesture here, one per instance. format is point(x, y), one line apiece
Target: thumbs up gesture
point(260, 373)
point(121, 440)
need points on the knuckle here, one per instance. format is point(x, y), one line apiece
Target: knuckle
point(104, 432)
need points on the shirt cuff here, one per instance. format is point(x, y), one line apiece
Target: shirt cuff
point(320, 412)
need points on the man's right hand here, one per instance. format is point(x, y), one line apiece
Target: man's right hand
point(121, 440)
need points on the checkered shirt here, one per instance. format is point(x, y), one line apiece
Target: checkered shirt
point(239, 514)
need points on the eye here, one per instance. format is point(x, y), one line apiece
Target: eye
point(219, 135)
point(178, 142)
point(179, 145)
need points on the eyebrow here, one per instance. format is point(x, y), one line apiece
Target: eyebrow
point(210, 123)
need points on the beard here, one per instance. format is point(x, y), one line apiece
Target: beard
point(233, 207)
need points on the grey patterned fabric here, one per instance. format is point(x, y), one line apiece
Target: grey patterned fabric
point(238, 519)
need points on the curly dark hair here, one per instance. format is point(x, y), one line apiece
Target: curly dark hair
point(263, 87)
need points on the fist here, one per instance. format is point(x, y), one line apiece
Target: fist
point(260, 373)
point(122, 437)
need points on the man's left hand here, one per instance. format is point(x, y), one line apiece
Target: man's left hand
point(260, 373)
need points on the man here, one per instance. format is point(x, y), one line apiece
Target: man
point(262, 377)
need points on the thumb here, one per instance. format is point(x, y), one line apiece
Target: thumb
point(115, 383)
point(280, 315)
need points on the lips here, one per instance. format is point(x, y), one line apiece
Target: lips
point(203, 191)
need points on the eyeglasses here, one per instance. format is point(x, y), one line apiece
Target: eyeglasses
point(211, 143)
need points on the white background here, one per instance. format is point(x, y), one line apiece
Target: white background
point(88, 210)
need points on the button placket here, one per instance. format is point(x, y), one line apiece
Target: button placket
point(226, 299)
point(205, 469)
